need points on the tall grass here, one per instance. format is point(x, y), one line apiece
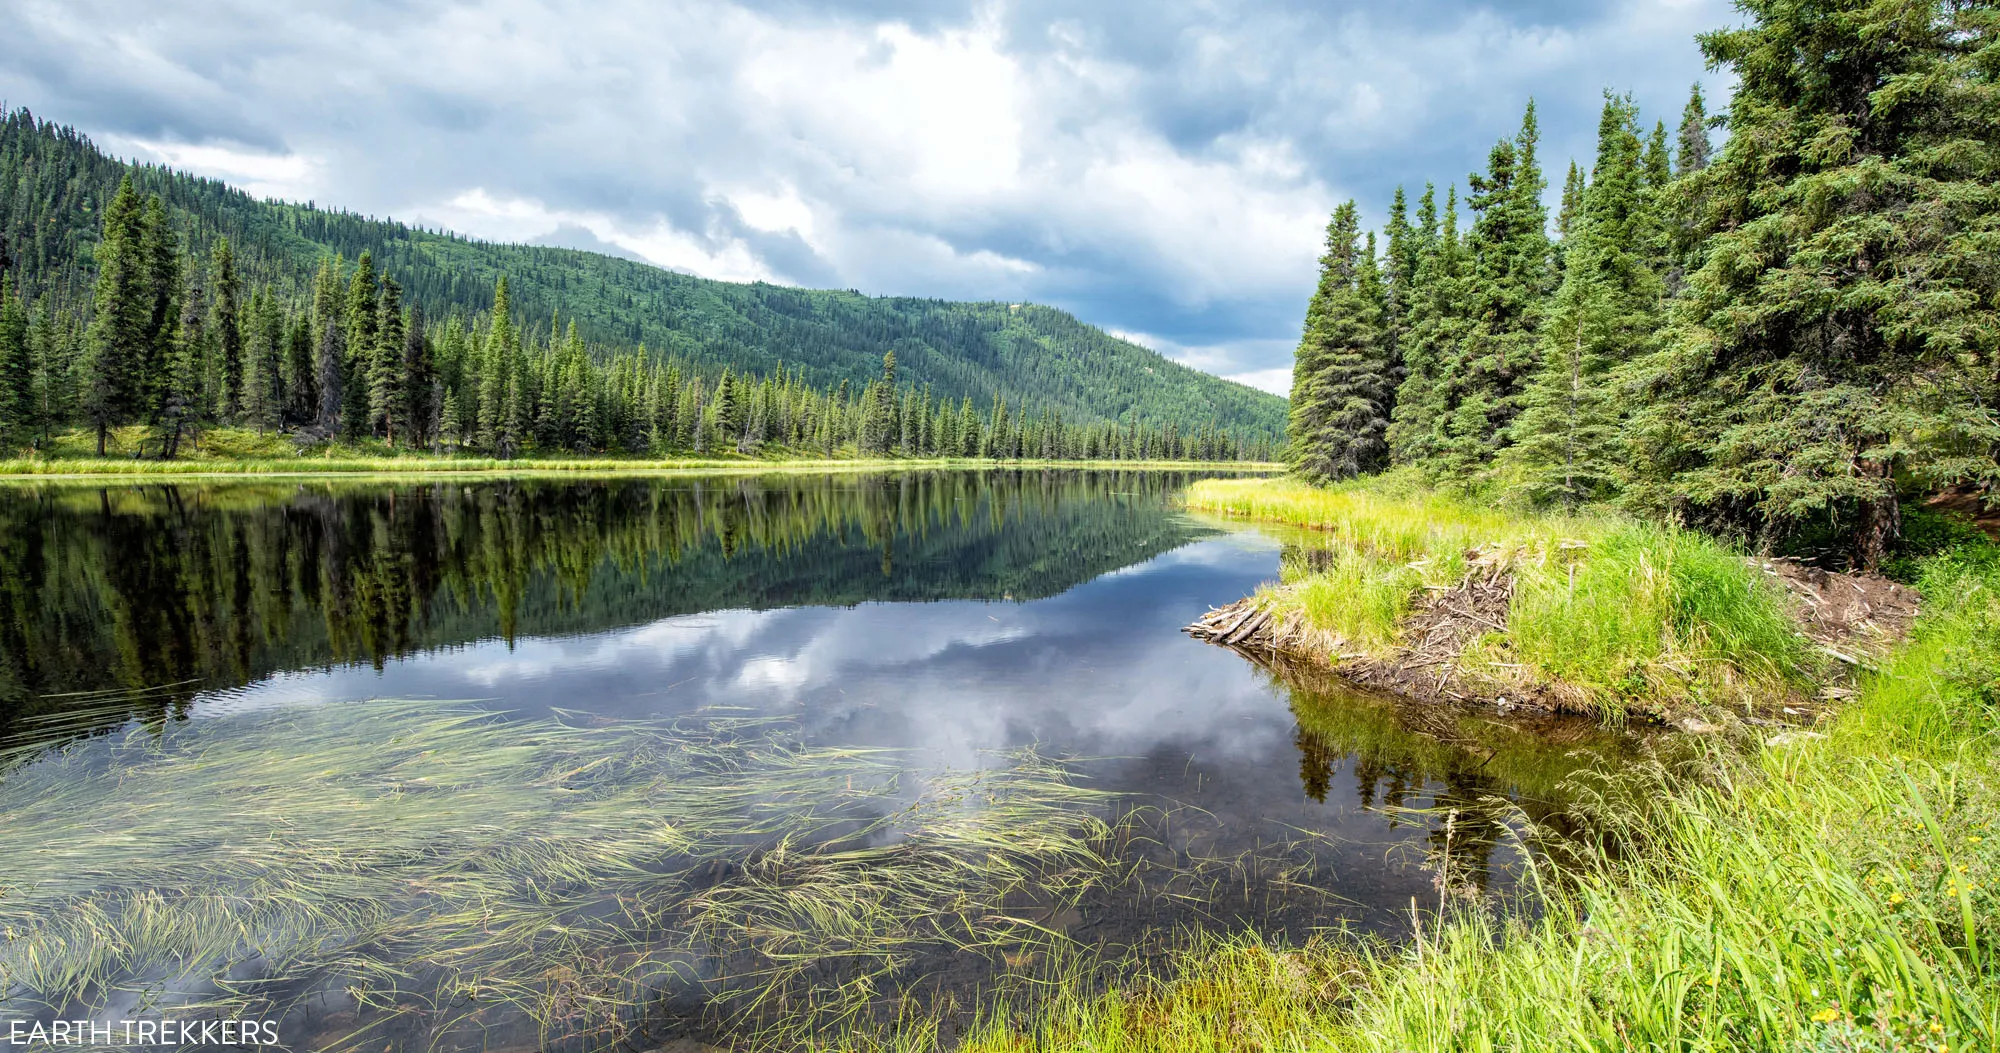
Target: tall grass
point(1356, 604)
point(1626, 615)
point(1649, 615)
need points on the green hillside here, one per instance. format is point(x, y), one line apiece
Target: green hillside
point(54, 184)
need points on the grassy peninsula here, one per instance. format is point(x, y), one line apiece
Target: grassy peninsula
point(1824, 887)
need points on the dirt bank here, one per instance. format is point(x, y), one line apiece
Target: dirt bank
point(1853, 619)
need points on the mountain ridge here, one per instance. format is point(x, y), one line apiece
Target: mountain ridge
point(53, 181)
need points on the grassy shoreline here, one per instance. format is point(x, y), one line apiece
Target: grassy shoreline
point(109, 468)
point(1825, 890)
point(230, 452)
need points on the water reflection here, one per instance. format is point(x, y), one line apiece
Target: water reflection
point(171, 589)
point(943, 621)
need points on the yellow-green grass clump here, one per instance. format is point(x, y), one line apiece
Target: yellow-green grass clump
point(1615, 613)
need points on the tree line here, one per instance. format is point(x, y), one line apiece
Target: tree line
point(1779, 339)
point(182, 343)
point(55, 188)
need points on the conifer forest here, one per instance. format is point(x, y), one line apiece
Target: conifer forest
point(1779, 339)
point(136, 295)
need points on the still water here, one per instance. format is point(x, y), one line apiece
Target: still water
point(994, 656)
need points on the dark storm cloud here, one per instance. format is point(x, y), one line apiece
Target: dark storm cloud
point(1162, 168)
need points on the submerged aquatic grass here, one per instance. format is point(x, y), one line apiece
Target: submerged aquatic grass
point(1617, 612)
point(428, 866)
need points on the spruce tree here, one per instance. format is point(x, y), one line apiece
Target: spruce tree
point(17, 369)
point(227, 324)
point(264, 363)
point(968, 429)
point(1839, 334)
point(1405, 244)
point(1694, 145)
point(118, 340)
point(419, 382)
point(182, 390)
point(1435, 324)
point(1566, 444)
point(362, 324)
point(160, 248)
point(1484, 376)
point(301, 382)
point(387, 393)
point(1339, 410)
point(726, 411)
point(451, 433)
point(878, 423)
point(491, 369)
point(59, 367)
point(1658, 163)
point(330, 366)
point(1572, 201)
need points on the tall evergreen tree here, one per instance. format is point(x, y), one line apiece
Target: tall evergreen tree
point(1566, 443)
point(878, 424)
point(419, 409)
point(301, 381)
point(187, 357)
point(1340, 387)
point(1694, 145)
point(362, 318)
point(1437, 322)
point(387, 392)
point(1658, 162)
point(491, 369)
point(227, 324)
point(119, 338)
point(726, 411)
point(1840, 332)
point(264, 363)
point(330, 366)
point(1484, 378)
point(17, 369)
point(160, 248)
point(1572, 201)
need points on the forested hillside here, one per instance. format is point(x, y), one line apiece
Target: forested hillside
point(1781, 340)
point(626, 324)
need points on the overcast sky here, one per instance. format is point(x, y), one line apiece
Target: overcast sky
point(1162, 168)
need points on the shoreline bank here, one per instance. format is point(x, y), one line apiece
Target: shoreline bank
point(112, 469)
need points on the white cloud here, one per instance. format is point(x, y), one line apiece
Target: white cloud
point(522, 219)
point(1164, 167)
point(1277, 380)
point(289, 176)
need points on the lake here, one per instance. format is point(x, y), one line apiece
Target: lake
point(570, 762)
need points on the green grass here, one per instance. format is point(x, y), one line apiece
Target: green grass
point(1354, 606)
point(1815, 892)
point(1621, 615)
point(1656, 613)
